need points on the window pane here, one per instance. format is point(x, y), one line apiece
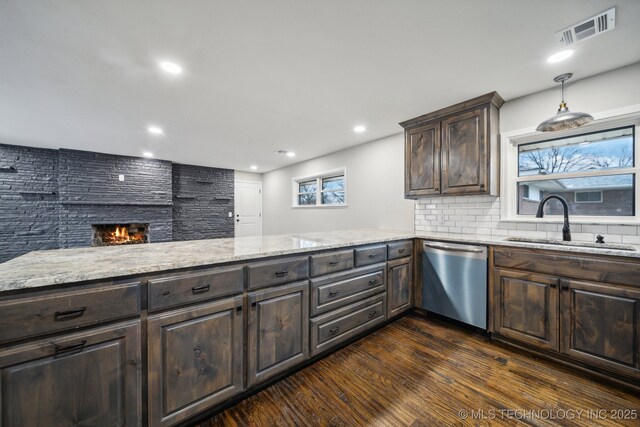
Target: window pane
point(307, 199)
point(610, 149)
point(610, 195)
point(333, 183)
point(333, 198)
point(307, 186)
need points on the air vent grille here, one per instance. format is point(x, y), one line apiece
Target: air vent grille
point(591, 27)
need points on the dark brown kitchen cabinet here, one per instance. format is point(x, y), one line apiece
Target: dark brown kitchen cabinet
point(278, 330)
point(195, 358)
point(400, 285)
point(422, 161)
point(585, 307)
point(87, 378)
point(601, 325)
point(454, 150)
point(526, 307)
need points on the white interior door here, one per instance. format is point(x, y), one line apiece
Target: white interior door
point(248, 209)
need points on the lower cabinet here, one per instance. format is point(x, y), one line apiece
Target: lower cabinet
point(89, 378)
point(595, 323)
point(400, 286)
point(195, 358)
point(526, 307)
point(278, 330)
point(601, 325)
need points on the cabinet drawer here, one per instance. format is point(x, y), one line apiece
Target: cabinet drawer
point(370, 255)
point(277, 271)
point(595, 268)
point(190, 287)
point(341, 289)
point(399, 250)
point(345, 323)
point(331, 262)
point(30, 316)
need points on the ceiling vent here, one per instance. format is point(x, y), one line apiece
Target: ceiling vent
point(593, 26)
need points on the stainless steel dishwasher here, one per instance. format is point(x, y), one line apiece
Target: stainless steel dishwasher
point(454, 281)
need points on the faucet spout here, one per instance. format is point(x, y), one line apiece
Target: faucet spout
point(566, 231)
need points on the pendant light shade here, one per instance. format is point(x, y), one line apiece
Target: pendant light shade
point(564, 119)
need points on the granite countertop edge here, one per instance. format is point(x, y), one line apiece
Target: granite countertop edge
point(46, 269)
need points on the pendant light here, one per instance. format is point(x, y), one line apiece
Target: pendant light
point(564, 119)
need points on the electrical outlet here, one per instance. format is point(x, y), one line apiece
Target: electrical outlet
point(121, 178)
point(230, 214)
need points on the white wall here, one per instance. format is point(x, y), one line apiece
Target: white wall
point(375, 191)
point(480, 215)
point(248, 176)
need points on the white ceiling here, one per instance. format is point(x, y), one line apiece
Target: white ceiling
point(278, 74)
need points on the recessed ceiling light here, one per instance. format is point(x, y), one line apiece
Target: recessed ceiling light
point(171, 67)
point(560, 56)
point(147, 154)
point(253, 167)
point(155, 130)
point(291, 154)
point(359, 129)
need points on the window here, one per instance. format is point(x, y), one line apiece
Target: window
point(596, 173)
point(324, 189)
point(588, 196)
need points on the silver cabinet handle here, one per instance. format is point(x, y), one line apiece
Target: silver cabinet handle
point(453, 248)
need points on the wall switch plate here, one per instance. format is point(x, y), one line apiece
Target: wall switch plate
point(230, 214)
point(120, 177)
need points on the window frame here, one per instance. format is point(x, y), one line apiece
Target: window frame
point(509, 179)
point(319, 177)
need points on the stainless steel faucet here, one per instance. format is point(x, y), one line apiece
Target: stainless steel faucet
point(566, 232)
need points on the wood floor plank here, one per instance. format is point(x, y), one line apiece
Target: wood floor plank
point(422, 372)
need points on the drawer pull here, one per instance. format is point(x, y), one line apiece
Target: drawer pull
point(200, 289)
point(372, 256)
point(334, 293)
point(239, 308)
point(282, 273)
point(373, 282)
point(372, 314)
point(334, 330)
point(401, 251)
point(57, 348)
point(564, 284)
point(333, 263)
point(69, 314)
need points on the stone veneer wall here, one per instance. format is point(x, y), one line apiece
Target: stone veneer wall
point(203, 198)
point(480, 216)
point(50, 198)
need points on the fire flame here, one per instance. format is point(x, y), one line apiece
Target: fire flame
point(121, 235)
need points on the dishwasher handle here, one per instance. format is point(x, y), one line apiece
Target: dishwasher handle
point(457, 248)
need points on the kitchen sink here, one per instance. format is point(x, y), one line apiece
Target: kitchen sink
point(613, 246)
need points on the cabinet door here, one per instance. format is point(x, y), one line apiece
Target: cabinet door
point(422, 161)
point(278, 330)
point(601, 325)
point(526, 307)
point(399, 278)
point(464, 153)
point(195, 359)
point(89, 378)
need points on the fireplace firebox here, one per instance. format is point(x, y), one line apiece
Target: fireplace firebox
point(120, 234)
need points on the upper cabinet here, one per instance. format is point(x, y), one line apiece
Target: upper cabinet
point(454, 150)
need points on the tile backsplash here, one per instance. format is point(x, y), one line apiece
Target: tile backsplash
point(480, 216)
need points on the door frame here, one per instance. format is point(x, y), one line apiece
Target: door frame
point(235, 196)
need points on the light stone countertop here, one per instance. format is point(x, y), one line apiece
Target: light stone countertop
point(66, 266)
point(63, 266)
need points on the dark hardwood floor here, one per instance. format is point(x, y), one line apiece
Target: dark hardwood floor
point(417, 372)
